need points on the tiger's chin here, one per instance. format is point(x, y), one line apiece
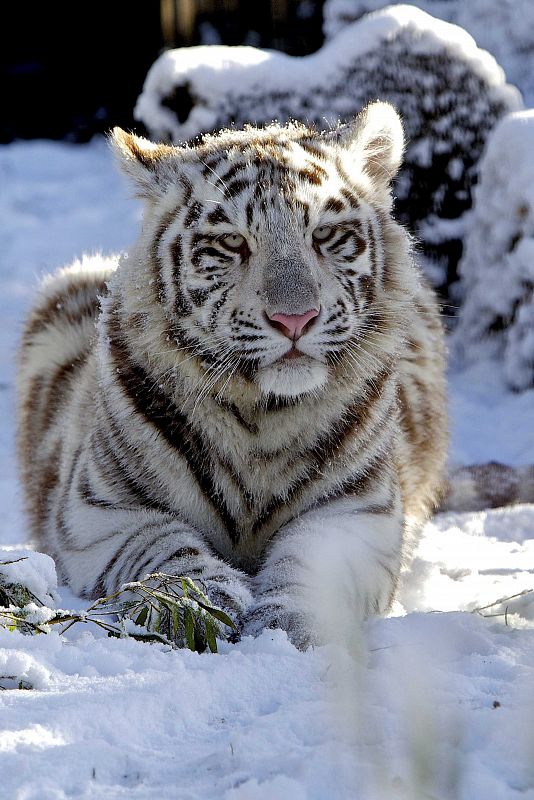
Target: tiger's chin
point(292, 377)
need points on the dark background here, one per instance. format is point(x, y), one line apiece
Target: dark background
point(70, 69)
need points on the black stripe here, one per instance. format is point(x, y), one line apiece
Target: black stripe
point(158, 410)
point(86, 493)
point(188, 190)
point(141, 568)
point(245, 323)
point(209, 166)
point(193, 214)
point(218, 304)
point(212, 252)
point(304, 209)
point(357, 484)
point(247, 496)
point(334, 204)
point(199, 296)
point(339, 242)
point(157, 265)
point(350, 197)
point(99, 585)
point(366, 287)
point(314, 150)
point(181, 305)
point(217, 215)
point(313, 174)
point(236, 187)
point(273, 403)
point(187, 343)
point(129, 473)
point(56, 395)
point(323, 452)
point(232, 409)
point(161, 531)
point(372, 250)
point(247, 337)
point(232, 172)
point(66, 307)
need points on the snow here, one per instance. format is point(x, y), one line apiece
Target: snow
point(215, 73)
point(427, 700)
point(449, 92)
point(497, 268)
point(503, 27)
point(35, 571)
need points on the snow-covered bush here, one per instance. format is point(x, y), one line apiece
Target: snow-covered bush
point(449, 92)
point(497, 269)
point(504, 27)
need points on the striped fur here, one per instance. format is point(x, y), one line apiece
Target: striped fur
point(162, 426)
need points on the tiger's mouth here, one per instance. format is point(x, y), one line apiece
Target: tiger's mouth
point(292, 375)
point(293, 353)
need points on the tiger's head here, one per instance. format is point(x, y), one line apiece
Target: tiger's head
point(272, 252)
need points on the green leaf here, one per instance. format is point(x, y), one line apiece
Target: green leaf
point(176, 623)
point(157, 621)
point(5, 599)
point(189, 625)
point(211, 633)
point(142, 617)
point(149, 637)
point(219, 614)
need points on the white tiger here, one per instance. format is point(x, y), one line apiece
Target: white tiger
point(260, 378)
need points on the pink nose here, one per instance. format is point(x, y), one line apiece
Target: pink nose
point(292, 325)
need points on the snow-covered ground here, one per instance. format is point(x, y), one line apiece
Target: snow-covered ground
point(439, 701)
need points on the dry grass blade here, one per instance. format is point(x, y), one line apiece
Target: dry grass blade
point(500, 602)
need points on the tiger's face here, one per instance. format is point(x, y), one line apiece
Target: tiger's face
point(266, 250)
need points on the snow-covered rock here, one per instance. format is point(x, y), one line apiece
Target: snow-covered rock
point(449, 92)
point(497, 269)
point(504, 27)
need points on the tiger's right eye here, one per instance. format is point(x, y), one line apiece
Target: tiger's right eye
point(233, 241)
point(323, 233)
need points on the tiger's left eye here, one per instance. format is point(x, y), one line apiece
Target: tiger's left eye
point(233, 241)
point(323, 233)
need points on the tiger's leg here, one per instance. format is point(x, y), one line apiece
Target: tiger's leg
point(338, 562)
point(99, 548)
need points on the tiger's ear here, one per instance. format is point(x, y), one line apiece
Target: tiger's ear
point(151, 167)
point(376, 140)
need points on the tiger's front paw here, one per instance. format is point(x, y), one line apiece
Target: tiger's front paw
point(231, 594)
point(275, 614)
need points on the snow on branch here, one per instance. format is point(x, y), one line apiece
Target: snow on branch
point(449, 93)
